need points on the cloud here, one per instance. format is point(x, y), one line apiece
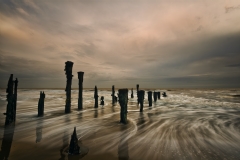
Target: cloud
point(230, 9)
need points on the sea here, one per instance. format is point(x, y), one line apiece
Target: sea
point(188, 124)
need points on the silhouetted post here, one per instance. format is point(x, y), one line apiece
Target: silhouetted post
point(141, 99)
point(80, 90)
point(41, 104)
point(155, 96)
point(123, 100)
point(113, 95)
point(137, 93)
point(74, 147)
point(132, 94)
point(15, 98)
point(96, 97)
point(102, 100)
point(68, 72)
point(10, 98)
point(116, 98)
point(7, 141)
point(164, 94)
point(159, 95)
point(150, 98)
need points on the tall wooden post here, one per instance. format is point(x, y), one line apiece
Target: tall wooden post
point(80, 90)
point(15, 98)
point(96, 97)
point(150, 98)
point(68, 72)
point(137, 93)
point(123, 100)
point(113, 95)
point(141, 99)
point(10, 98)
point(159, 95)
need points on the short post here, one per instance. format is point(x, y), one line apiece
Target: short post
point(123, 100)
point(15, 98)
point(132, 94)
point(80, 90)
point(96, 97)
point(41, 104)
point(155, 96)
point(150, 98)
point(159, 95)
point(113, 95)
point(141, 99)
point(68, 72)
point(10, 98)
point(74, 148)
point(164, 94)
point(102, 100)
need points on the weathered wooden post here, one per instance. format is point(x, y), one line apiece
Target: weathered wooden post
point(150, 98)
point(132, 94)
point(15, 98)
point(123, 100)
point(41, 104)
point(159, 95)
point(96, 97)
point(113, 95)
point(102, 100)
point(74, 148)
point(164, 94)
point(137, 93)
point(68, 72)
point(155, 96)
point(10, 111)
point(141, 99)
point(80, 90)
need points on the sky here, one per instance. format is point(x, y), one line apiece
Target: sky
point(153, 43)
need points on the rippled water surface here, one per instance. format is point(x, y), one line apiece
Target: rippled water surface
point(188, 124)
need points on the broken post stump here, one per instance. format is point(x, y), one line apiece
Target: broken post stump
point(96, 97)
point(113, 95)
point(74, 148)
point(102, 100)
point(155, 96)
point(150, 98)
point(132, 94)
point(68, 72)
point(141, 99)
point(41, 104)
point(80, 90)
point(159, 95)
point(123, 100)
point(164, 94)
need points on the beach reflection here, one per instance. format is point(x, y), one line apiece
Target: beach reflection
point(7, 141)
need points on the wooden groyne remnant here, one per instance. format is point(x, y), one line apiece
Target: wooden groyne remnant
point(113, 95)
point(137, 93)
point(123, 101)
point(141, 94)
point(150, 98)
point(96, 97)
point(155, 96)
point(102, 101)
point(164, 94)
point(80, 90)
point(159, 95)
point(132, 93)
point(41, 104)
point(68, 72)
point(12, 101)
point(74, 148)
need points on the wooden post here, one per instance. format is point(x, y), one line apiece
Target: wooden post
point(10, 111)
point(113, 95)
point(132, 94)
point(68, 72)
point(159, 95)
point(41, 104)
point(137, 93)
point(155, 96)
point(123, 100)
point(141, 99)
point(150, 98)
point(96, 97)
point(80, 90)
point(74, 148)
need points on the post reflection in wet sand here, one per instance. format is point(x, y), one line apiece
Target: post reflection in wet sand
point(39, 131)
point(7, 141)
